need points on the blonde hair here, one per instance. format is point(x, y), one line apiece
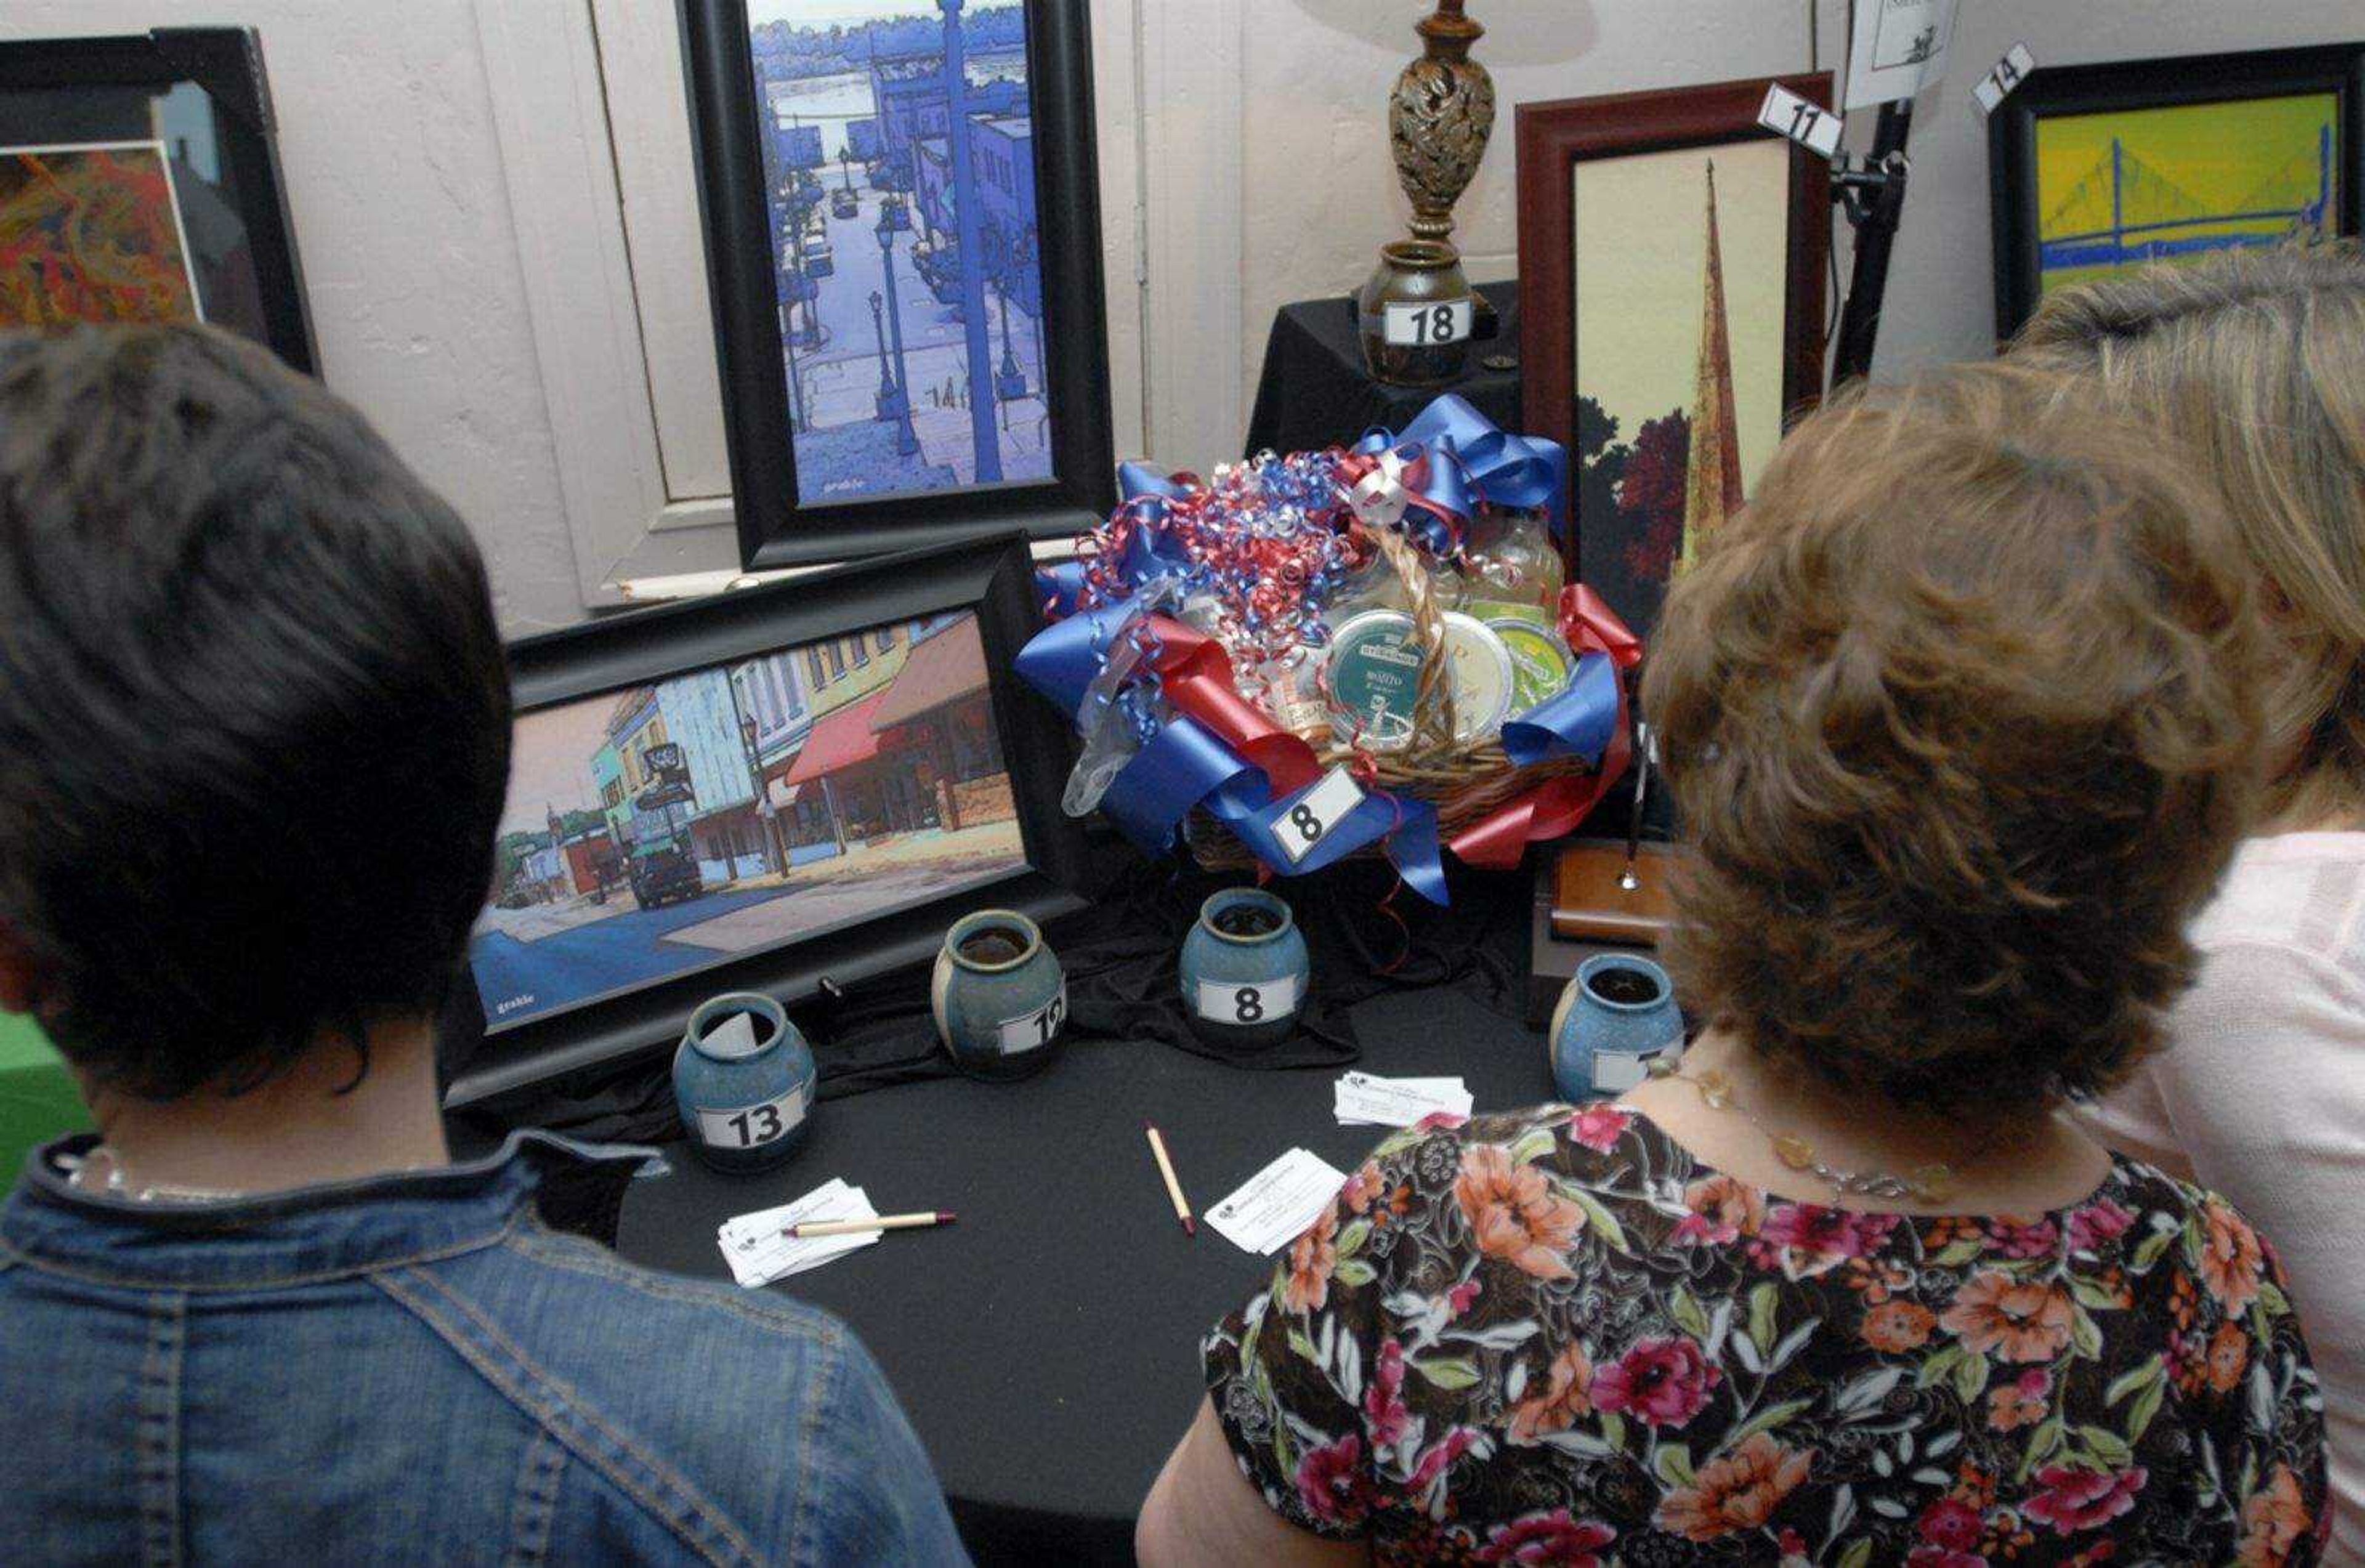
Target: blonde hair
point(2253, 364)
point(1961, 717)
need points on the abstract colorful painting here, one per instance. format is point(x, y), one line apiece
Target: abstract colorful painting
point(92, 233)
point(2118, 190)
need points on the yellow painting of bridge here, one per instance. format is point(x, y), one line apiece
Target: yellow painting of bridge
point(2118, 190)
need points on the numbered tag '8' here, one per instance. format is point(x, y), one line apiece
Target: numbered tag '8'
point(1248, 1003)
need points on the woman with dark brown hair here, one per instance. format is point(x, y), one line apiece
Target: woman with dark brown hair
point(1960, 717)
point(2254, 363)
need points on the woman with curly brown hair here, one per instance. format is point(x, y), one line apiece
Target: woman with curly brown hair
point(2255, 364)
point(1960, 717)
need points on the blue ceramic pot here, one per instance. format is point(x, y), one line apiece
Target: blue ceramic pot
point(1245, 971)
point(999, 996)
point(745, 1092)
point(1617, 1014)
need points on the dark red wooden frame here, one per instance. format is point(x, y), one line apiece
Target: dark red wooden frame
point(1553, 136)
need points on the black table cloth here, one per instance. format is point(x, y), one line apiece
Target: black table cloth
point(1314, 391)
point(1045, 1345)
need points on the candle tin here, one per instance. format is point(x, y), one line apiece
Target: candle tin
point(1540, 660)
point(1479, 665)
point(1374, 674)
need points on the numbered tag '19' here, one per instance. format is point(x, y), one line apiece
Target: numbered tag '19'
point(1427, 323)
point(1036, 1028)
point(1248, 1002)
point(748, 1125)
point(1310, 819)
point(1811, 126)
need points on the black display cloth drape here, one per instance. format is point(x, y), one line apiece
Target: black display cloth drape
point(1314, 391)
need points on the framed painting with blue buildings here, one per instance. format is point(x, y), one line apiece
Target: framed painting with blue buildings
point(2100, 169)
point(902, 232)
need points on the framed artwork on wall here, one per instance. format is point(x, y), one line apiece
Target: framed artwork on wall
point(902, 232)
point(801, 781)
point(140, 182)
point(2099, 169)
point(1671, 290)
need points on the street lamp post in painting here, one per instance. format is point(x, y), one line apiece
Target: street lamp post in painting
point(768, 819)
point(893, 218)
point(972, 264)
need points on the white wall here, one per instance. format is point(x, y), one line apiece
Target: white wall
point(1261, 160)
point(410, 260)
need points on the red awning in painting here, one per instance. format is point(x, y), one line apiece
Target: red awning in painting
point(843, 740)
point(943, 668)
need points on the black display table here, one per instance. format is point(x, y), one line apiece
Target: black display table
point(1047, 1345)
point(1314, 391)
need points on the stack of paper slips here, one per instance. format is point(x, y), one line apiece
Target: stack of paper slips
point(1363, 1101)
point(1277, 1203)
point(758, 1253)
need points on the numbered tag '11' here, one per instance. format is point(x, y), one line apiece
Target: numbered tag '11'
point(1811, 127)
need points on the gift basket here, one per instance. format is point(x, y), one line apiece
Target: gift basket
point(1362, 650)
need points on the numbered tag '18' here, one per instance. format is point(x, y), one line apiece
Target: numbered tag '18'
point(1248, 1002)
point(1429, 323)
point(748, 1125)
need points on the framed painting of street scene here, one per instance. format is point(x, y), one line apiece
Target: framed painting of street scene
point(140, 182)
point(902, 223)
point(2101, 168)
point(801, 781)
point(1672, 259)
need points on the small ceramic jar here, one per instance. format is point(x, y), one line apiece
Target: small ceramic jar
point(1617, 1014)
point(1245, 971)
point(744, 1081)
point(998, 995)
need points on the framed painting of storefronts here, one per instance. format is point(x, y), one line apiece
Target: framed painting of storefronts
point(140, 182)
point(2100, 169)
point(902, 235)
point(803, 781)
point(1672, 257)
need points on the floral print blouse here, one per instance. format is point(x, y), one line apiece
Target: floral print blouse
point(1554, 1337)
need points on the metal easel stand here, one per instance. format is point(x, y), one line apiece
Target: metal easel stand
point(1872, 196)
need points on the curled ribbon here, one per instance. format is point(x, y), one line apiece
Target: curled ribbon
point(1436, 470)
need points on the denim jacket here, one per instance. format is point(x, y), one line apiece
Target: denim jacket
point(413, 1368)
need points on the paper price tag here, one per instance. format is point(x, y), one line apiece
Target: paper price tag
point(1036, 1028)
point(1614, 1072)
point(1304, 825)
point(1227, 1001)
point(1427, 325)
point(1897, 47)
point(1785, 114)
point(749, 1126)
point(1997, 84)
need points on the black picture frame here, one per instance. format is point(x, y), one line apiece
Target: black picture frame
point(775, 529)
point(993, 577)
point(2121, 85)
point(66, 89)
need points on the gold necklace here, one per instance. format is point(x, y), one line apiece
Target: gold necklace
point(1931, 1183)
